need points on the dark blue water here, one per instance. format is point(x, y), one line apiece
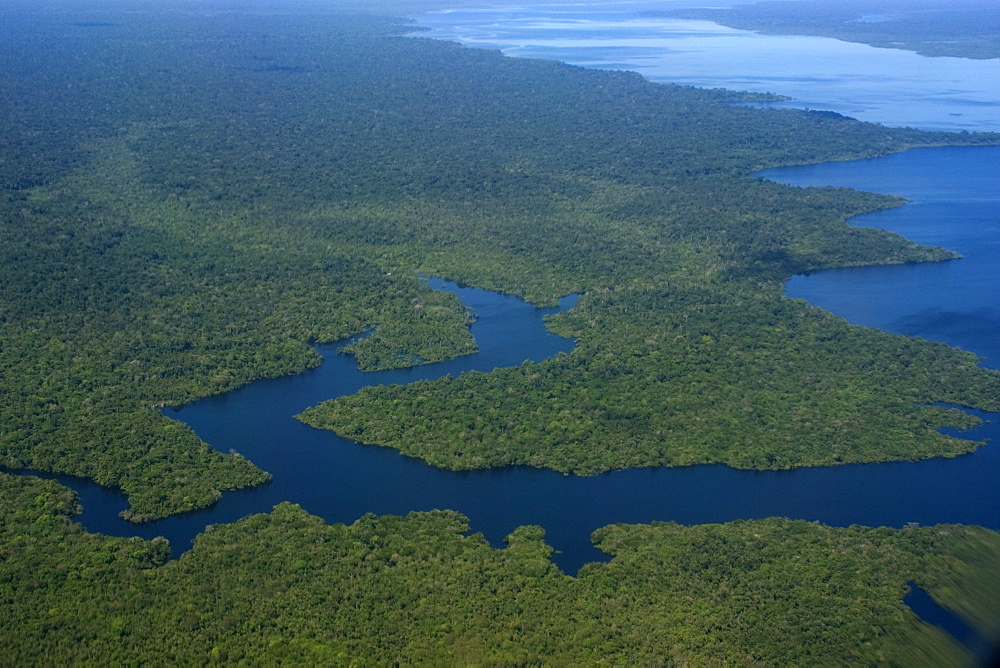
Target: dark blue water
point(340, 480)
point(955, 204)
point(928, 610)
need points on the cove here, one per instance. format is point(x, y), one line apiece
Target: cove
point(340, 480)
point(928, 610)
point(954, 195)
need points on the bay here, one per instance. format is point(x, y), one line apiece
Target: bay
point(954, 195)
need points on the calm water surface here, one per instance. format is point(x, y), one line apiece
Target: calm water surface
point(955, 203)
point(928, 610)
point(887, 86)
point(954, 194)
point(340, 480)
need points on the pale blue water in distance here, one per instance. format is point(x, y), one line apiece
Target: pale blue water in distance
point(340, 480)
point(888, 86)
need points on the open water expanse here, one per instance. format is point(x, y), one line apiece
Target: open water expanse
point(955, 202)
point(888, 86)
point(954, 195)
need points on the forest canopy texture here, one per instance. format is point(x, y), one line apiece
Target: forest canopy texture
point(199, 197)
point(191, 194)
point(288, 588)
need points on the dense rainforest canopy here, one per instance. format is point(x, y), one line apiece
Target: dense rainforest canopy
point(286, 587)
point(190, 195)
point(224, 189)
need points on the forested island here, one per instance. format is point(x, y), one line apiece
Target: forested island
point(191, 194)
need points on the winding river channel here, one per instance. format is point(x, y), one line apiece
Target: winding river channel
point(340, 480)
point(955, 199)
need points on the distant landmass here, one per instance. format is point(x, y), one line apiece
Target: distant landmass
point(963, 29)
point(208, 187)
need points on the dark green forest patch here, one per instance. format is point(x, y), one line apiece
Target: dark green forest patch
point(286, 587)
point(671, 375)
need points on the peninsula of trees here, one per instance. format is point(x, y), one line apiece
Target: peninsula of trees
point(192, 193)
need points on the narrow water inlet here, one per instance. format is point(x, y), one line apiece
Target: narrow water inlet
point(925, 607)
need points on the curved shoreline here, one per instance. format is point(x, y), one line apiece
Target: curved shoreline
point(340, 480)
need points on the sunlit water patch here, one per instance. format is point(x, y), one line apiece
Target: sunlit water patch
point(887, 86)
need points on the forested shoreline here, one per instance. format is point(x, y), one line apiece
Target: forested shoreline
point(287, 587)
point(190, 196)
point(245, 195)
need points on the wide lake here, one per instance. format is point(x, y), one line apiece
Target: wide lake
point(954, 203)
point(954, 193)
point(886, 86)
